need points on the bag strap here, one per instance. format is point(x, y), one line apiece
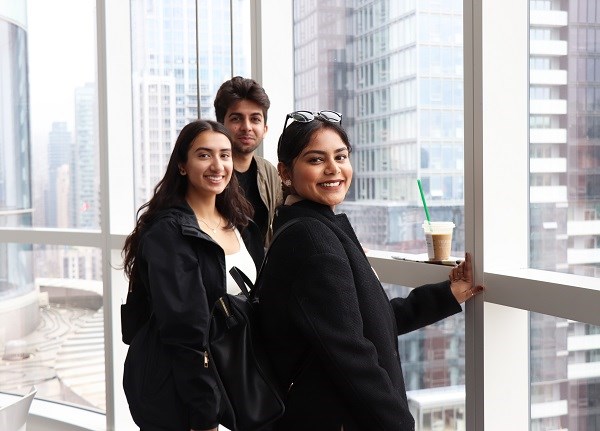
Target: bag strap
point(242, 280)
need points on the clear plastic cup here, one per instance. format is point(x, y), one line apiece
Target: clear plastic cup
point(438, 236)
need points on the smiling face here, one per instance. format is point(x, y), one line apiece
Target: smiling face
point(246, 122)
point(322, 172)
point(209, 164)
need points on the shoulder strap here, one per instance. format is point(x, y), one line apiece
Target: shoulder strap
point(242, 280)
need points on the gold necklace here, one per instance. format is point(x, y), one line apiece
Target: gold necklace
point(214, 230)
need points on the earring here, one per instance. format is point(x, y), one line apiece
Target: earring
point(287, 183)
point(182, 172)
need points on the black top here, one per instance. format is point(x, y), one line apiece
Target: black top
point(331, 330)
point(249, 184)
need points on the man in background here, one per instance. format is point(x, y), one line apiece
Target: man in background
point(241, 104)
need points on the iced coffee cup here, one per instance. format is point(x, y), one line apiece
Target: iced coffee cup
point(438, 236)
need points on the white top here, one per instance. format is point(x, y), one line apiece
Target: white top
point(243, 261)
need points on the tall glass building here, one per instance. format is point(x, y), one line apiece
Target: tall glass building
point(183, 51)
point(16, 269)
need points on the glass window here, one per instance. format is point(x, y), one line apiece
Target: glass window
point(565, 384)
point(433, 360)
point(50, 296)
point(156, 70)
point(64, 177)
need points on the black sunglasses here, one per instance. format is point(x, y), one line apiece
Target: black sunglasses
point(307, 117)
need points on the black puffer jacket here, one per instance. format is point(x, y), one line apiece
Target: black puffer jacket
point(331, 330)
point(183, 269)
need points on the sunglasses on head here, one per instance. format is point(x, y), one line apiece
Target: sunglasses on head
point(307, 117)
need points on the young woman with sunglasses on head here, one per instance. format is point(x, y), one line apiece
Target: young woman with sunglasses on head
point(194, 228)
point(329, 327)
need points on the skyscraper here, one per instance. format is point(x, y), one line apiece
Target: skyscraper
point(564, 204)
point(60, 143)
point(85, 208)
point(17, 291)
point(174, 77)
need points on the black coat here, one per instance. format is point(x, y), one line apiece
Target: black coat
point(183, 269)
point(331, 330)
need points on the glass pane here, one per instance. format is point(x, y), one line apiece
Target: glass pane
point(565, 374)
point(362, 61)
point(174, 78)
point(63, 112)
point(433, 365)
point(564, 145)
point(15, 167)
point(51, 323)
point(405, 121)
point(50, 297)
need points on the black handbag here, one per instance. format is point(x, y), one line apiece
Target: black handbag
point(242, 368)
point(135, 312)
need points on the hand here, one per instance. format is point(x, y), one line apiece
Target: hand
point(461, 281)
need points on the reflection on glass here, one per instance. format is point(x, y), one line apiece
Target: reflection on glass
point(362, 61)
point(565, 374)
point(433, 365)
point(181, 54)
point(15, 182)
point(53, 331)
point(564, 137)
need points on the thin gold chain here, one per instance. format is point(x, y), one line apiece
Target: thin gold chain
point(214, 230)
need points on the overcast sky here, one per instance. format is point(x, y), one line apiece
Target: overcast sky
point(61, 49)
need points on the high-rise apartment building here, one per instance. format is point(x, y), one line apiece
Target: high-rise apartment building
point(85, 209)
point(59, 152)
point(564, 204)
point(17, 290)
point(181, 56)
point(401, 94)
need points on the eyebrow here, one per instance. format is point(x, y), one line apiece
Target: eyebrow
point(339, 150)
point(211, 150)
point(252, 114)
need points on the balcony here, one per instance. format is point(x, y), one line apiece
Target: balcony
point(548, 77)
point(547, 166)
point(548, 18)
point(550, 48)
point(552, 106)
point(539, 195)
point(548, 136)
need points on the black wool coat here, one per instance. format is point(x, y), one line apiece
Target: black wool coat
point(183, 270)
point(330, 329)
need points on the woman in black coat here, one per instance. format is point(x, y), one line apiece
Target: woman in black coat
point(330, 329)
point(194, 228)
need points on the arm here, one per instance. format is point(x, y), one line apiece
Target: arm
point(432, 302)
point(423, 306)
point(182, 314)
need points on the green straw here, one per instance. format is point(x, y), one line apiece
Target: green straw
point(424, 203)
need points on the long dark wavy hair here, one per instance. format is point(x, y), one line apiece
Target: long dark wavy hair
point(171, 189)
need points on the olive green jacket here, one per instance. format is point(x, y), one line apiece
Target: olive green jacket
point(269, 187)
